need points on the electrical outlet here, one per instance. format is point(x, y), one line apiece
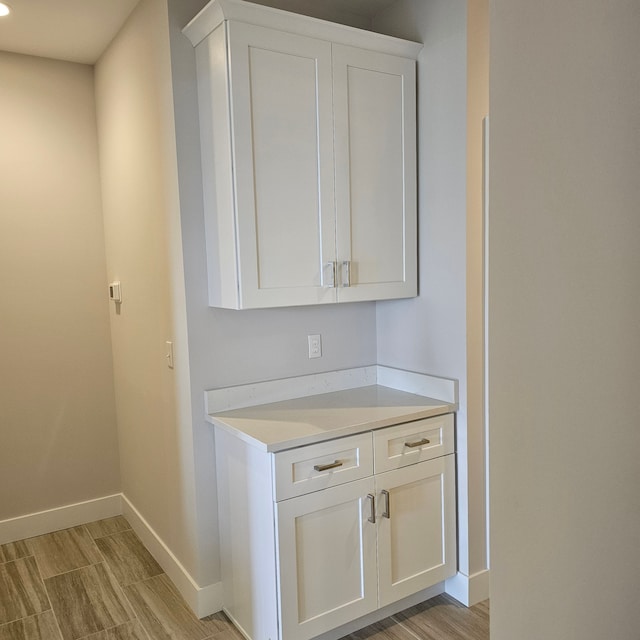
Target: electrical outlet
point(315, 346)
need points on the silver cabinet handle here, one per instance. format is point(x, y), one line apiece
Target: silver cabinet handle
point(387, 504)
point(325, 467)
point(412, 445)
point(372, 504)
point(329, 275)
point(345, 274)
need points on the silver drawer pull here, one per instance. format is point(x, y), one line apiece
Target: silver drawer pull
point(325, 467)
point(387, 504)
point(412, 445)
point(372, 504)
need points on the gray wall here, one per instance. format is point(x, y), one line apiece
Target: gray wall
point(432, 332)
point(564, 319)
point(58, 439)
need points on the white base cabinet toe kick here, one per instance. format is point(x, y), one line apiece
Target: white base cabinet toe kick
point(318, 536)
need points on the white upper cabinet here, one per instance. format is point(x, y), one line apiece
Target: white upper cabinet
point(309, 158)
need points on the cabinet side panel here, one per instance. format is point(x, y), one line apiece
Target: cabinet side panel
point(215, 133)
point(247, 536)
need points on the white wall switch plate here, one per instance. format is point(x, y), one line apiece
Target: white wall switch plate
point(169, 354)
point(115, 292)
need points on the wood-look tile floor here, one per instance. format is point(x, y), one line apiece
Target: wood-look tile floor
point(98, 582)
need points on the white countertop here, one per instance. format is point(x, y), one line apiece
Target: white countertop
point(291, 423)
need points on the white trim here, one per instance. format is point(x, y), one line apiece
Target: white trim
point(469, 590)
point(215, 12)
point(248, 395)
point(422, 384)
point(202, 600)
point(485, 320)
point(70, 515)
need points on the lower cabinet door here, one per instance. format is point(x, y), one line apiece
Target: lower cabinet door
point(416, 527)
point(326, 559)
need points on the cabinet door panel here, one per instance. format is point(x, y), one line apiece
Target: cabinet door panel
point(283, 152)
point(326, 559)
point(416, 543)
point(375, 149)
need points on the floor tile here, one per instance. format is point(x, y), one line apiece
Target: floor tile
point(107, 527)
point(22, 592)
point(221, 628)
point(129, 631)
point(42, 626)
point(443, 617)
point(229, 634)
point(387, 629)
point(13, 551)
point(87, 600)
point(164, 614)
point(128, 558)
point(63, 551)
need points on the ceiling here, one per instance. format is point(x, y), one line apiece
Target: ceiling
point(80, 30)
point(74, 30)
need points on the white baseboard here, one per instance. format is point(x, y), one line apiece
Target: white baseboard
point(202, 600)
point(469, 590)
point(70, 515)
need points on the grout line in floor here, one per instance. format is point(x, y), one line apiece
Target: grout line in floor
point(55, 617)
point(64, 573)
point(115, 533)
point(31, 555)
point(128, 601)
point(407, 629)
point(44, 586)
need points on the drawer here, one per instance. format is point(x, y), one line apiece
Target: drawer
point(412, 442)
point(326, 464)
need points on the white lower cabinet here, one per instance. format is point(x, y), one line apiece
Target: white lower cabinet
point(326, 559)
point(416, 528)
point(346, 547)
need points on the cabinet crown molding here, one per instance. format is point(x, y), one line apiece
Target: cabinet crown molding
point(217, 11)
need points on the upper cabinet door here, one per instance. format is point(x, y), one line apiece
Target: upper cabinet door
point(375, 154)
point(281, 111)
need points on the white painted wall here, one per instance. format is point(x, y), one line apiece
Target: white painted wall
point(237, 347)
point(564, 319)
point(440, 331)
point(144, 252)
point(331, 10)
point(58, 441)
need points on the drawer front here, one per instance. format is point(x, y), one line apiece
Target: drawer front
point(326, 464)
point(413, 442)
